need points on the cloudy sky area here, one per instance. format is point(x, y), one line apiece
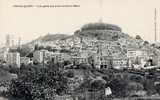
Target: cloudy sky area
point(133, 16)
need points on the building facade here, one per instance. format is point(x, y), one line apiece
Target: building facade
point(120, 62)
point(137, 55)
point(3, 54)
point(13, 58)
point(38, 56)
point(102, 61)
point(25, 60)
point(60, 57)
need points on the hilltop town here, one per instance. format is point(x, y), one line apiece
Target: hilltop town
point(97, 62)
point(104, 44)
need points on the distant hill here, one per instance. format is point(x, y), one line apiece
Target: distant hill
point(49, 37)
point(28, 48)
point(99, 31)
point(53, 37)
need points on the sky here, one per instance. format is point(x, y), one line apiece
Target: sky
point(133, 16)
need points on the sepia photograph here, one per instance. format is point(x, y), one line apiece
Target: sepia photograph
point(79, 49)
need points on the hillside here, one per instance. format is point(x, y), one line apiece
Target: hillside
point(49, 37)
point(98, 31)
point(53, 37)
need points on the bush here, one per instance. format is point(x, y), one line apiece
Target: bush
point(118, 88)
point(70, 74)
point(84, 66)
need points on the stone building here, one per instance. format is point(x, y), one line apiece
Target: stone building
point(120, 62)
point(13, 58)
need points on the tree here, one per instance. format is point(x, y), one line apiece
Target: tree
point(49, 48)
point(118, 87)
point(67, 62)
point(137, 78)
point(84, 66)
point(36, 47)
point(39, 83)
point(145, 43)
point(41, 47)
point(115, 38)
point(153, 45)
point(138, 37)
point(157, 87)
point(149, 86)
point(97, 84)
point(77, 32)
point(70, 74)
point(65, 51)
point(91, 61)
point(24, 50)
point(134, 86)
point(106, 78)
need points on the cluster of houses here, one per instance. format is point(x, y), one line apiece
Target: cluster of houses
point(9, 58)
point(103, 55)
point(100, 53)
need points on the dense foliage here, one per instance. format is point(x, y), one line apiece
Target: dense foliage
point(38, 82)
